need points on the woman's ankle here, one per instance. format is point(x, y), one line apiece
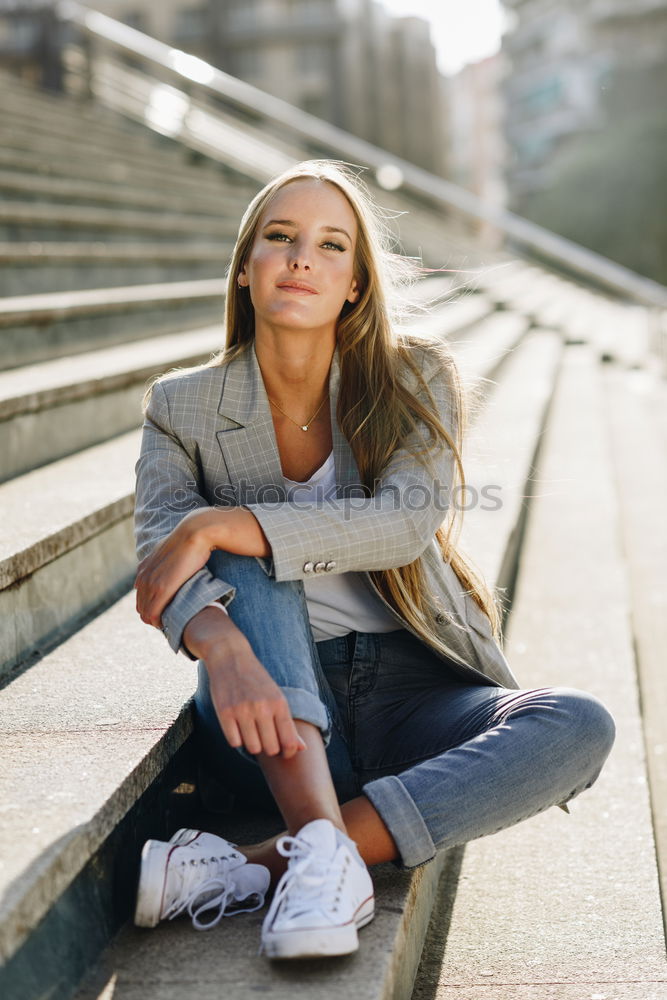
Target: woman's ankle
point(267, 855)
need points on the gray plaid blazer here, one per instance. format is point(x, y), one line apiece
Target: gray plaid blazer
point(208, 439)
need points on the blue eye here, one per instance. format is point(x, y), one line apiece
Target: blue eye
point(336, 246)
point(277, 236)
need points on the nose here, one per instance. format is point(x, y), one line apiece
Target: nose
point(299, 258)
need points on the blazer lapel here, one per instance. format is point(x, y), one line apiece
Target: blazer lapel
point(248, 441)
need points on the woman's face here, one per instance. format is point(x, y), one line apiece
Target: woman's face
point(300, 269)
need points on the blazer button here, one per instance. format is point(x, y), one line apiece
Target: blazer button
point(320, 567)
point(440, 618)
point(308, 567)
point(329, 566)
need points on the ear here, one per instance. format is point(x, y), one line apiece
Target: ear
point(242, 279)
point(354, 293)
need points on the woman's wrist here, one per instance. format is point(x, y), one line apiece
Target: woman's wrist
point(237, 530)
point(231, 529)
point(207, 629)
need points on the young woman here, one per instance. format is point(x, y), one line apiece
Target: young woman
point(294, 520)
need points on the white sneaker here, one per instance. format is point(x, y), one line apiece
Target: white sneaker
point(323, 897)
point(196, 872)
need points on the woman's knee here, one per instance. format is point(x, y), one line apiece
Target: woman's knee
point(591, 725)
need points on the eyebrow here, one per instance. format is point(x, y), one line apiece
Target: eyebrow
point(289, 222)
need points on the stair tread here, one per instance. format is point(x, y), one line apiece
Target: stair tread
point(85, 731)
point(61, 303)
point(38, 385)
point(85, 492)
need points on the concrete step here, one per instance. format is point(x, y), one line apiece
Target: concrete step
point(47, 113)
point(565, 907)
point(451, 320)
point(164, 157)
point(22, 131)
point(77, 823)
point(535, 292)
point(616, 329)
point(43, 221)
point(190, 179)
point(64, 120)
point(65, 559)
point(140, 105)
point(623, 332)
point(634, 404)
point(51, 409)
point(20, 186)
point(39, 327)
point(72, 118)
point(56, 408)
point(501, 454)
point(485, 345)
point(38, 267)
point(21, 99)
point(85, 734)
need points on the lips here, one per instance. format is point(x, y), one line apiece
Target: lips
point(297, 286)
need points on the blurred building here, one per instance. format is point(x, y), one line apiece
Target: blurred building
point(346, 61)
point(477, 150)
point(562, 58)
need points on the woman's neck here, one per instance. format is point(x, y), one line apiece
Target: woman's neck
point(294, 372)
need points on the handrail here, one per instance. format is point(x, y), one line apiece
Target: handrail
point(575, 258)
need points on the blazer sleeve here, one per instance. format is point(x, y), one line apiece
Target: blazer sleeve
point(390, 526)
point(167, 488)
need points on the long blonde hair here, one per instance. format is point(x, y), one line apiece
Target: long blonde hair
point(376, 411)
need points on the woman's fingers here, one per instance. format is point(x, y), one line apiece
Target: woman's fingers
point(251, 708)
point(250, 736)
point(260, 731)
point(248, 727)
point(231, 731)
point(266, 728)
point(290, 741)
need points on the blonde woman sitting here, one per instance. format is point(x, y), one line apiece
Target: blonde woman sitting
point(295, 531)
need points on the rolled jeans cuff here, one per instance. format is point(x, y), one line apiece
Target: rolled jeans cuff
point(405, 823)
point(306, 706)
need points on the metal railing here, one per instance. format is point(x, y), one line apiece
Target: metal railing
point(190, 70)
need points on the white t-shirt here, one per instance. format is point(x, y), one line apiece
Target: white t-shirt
point(338, 603)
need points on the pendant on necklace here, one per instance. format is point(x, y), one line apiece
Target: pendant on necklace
point(304, 427)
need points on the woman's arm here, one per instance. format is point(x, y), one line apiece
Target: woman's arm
point(176, 531)
point(167, 490)
point(252, 710)
point(390, 528)
point(187, 548)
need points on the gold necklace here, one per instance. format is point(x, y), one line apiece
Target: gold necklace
point(304, 427)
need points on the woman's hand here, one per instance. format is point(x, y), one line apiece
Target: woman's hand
point(174, 560)
point(251, 708)
point(187, 548)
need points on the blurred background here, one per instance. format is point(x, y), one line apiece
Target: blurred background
point(555, 111)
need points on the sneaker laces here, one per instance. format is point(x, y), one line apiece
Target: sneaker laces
point(214, 893)
point(221, 902)
point(311, 874)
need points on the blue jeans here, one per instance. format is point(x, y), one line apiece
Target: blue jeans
point(442, 761)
